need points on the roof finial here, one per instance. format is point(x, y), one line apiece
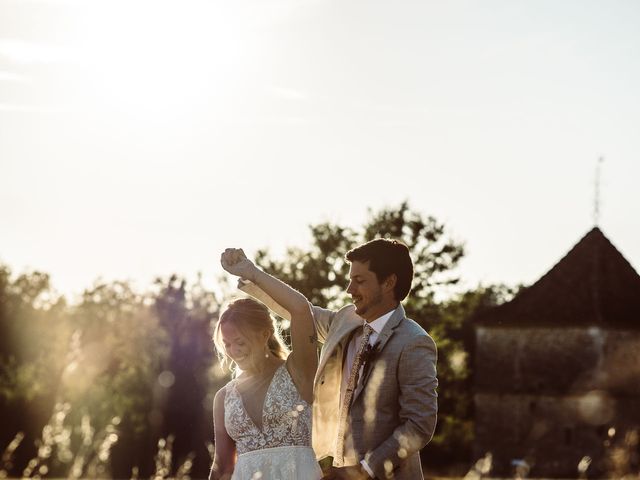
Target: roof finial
point(596, 200)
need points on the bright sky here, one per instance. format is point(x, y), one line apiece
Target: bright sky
point(141, 138)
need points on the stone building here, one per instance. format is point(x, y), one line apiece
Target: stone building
point(557, 369)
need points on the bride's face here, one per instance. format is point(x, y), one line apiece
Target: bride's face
point(245, 351)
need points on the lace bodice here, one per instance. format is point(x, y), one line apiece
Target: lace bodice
point(286, 417)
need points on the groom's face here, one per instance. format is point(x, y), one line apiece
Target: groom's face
point(366, 292)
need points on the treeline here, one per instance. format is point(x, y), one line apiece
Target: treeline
point(121, 384)
point(94, 387)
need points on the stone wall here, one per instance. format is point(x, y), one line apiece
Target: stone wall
point(557, 360)
point(553, 396)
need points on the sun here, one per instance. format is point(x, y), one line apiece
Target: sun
point(147, 56)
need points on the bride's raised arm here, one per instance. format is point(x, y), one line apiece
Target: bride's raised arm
point(304, 359)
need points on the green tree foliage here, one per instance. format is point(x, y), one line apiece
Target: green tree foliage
point(320, 272)
point(117, 359)
point(187, 316)
point(115, 354)
point(451, 325)
point(33, 335)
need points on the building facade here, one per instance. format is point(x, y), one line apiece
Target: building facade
point(557, 369)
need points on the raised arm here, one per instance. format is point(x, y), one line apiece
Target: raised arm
point(322, 318)
point(304, 357)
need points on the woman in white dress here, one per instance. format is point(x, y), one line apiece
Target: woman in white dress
point(262, 418)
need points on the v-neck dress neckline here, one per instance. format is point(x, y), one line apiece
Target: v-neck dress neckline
point(286, 417)
point(264, 400)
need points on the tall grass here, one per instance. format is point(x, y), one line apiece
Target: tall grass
point(79, 451)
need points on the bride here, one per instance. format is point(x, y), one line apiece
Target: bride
point(262, 418)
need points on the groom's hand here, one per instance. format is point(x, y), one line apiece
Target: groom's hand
point(346, 473)
point(234, 261)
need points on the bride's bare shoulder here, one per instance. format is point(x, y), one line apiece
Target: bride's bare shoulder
point(220, 395)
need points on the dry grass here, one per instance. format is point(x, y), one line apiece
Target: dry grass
point(93, 454)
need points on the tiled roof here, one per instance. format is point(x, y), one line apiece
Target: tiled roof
point(592, 285)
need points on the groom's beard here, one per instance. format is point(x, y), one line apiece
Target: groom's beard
point(362, 309)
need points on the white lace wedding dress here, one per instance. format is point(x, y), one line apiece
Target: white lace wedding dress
point(281, 450)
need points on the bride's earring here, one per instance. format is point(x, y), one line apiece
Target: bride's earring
point(266, 352)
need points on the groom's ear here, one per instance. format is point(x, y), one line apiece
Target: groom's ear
point(389, 283)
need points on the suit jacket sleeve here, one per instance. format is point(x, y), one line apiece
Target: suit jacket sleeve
point(256, 292)
point(322, 318)
point(418, 407)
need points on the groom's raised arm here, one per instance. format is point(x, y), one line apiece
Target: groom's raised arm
point(322, 317)
point(256, 292)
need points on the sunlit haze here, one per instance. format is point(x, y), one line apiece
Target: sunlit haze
point(139, 139)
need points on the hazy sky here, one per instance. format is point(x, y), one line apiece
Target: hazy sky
point(141, 138)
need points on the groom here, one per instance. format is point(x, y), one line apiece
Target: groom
point(375, 400)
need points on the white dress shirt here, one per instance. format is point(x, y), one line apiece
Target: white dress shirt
point(377, 325)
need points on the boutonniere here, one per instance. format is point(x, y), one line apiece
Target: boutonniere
point(369, 354)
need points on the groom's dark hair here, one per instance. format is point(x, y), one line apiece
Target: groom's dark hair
point(386, 257)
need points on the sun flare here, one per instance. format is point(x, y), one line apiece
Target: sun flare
point(154, 56)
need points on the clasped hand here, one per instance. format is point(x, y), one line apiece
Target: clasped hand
point(346, 473)
point(234, 261)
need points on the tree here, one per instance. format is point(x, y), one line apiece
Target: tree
point(321, 271)
point(451, 325)
point(188, 315)
point(34, 333)
point(118, 363)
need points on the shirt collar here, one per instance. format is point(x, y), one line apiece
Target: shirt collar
point(378, 324)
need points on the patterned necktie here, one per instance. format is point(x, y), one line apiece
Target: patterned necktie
point(351, 387)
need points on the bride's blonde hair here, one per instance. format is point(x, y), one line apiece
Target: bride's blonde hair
point(250, 317)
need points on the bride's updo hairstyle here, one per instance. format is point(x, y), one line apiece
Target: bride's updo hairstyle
point(249, 317)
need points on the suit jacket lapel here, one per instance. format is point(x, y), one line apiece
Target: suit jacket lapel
point(383, 338)
point(338, 338)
